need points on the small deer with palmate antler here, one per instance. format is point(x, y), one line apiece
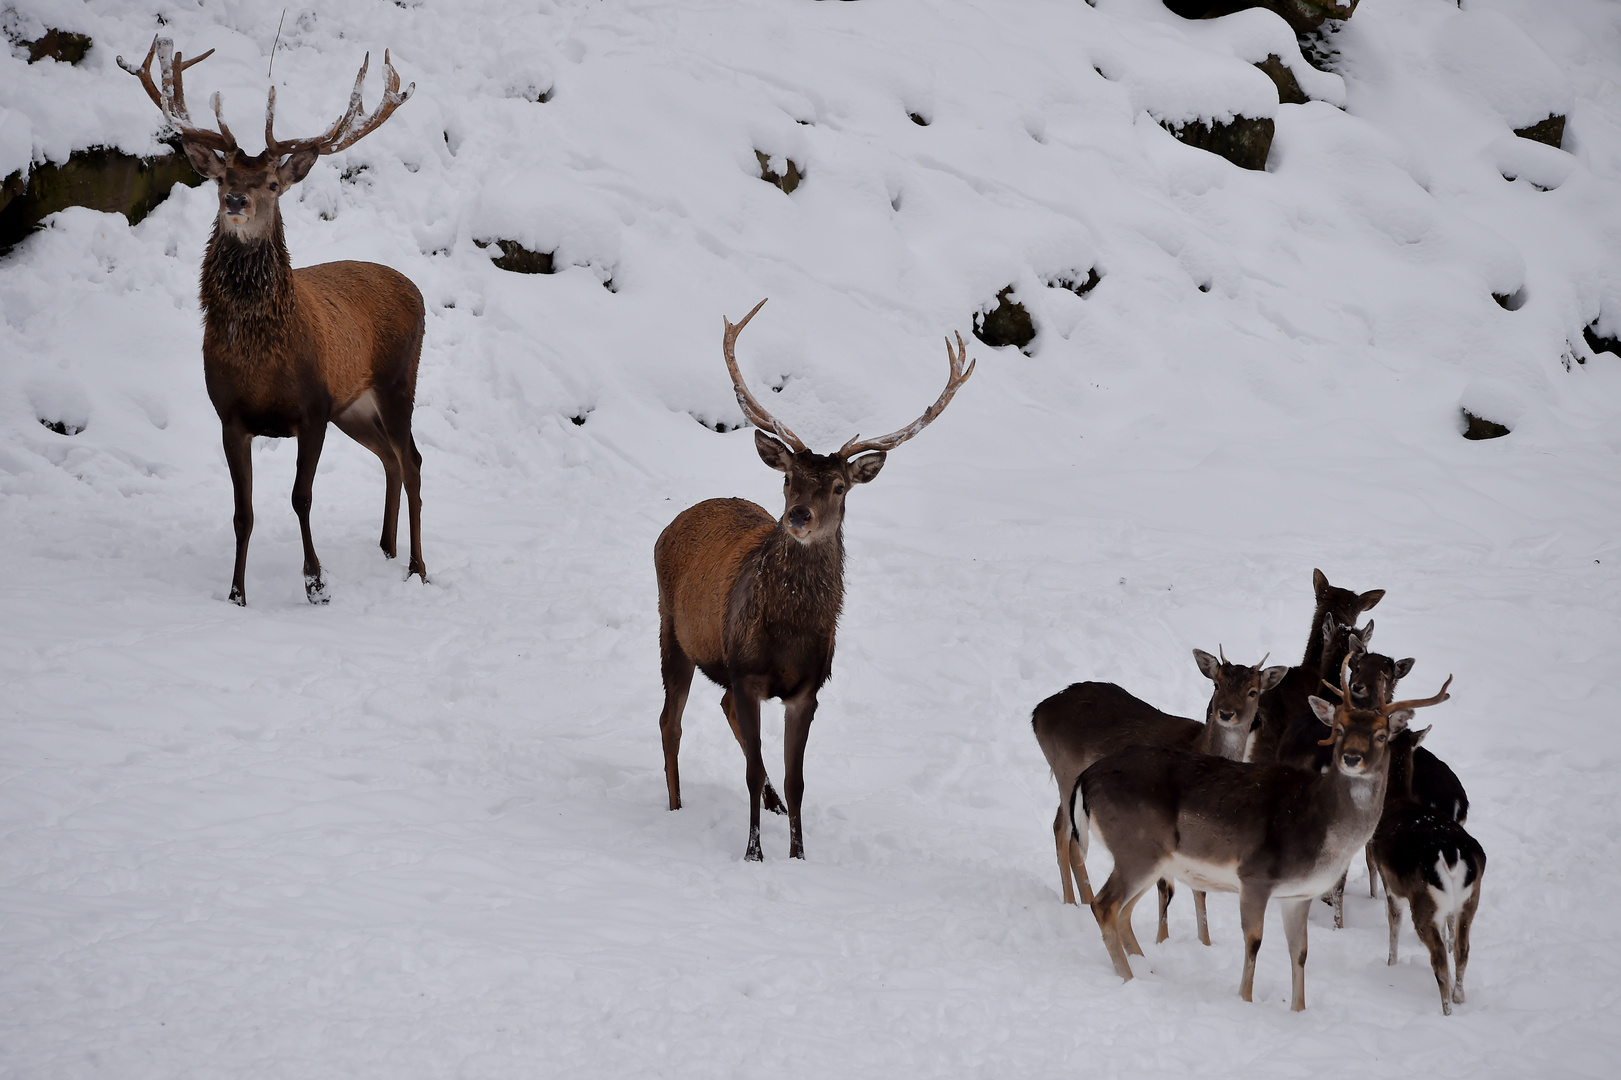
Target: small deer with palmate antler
point(753, 601)
point(1262, 831)
point(286, 351)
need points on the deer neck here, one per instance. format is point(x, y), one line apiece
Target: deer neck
point(1355, 804)
point(801, 584)
point(247, 287)
point(1225, 741)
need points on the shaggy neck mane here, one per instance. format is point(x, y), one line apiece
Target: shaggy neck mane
point(247, 281)
point(809, 580)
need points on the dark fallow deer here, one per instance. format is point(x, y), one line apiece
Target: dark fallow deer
point(753, 601)
point(1262, 831)
point(1091, 720)
point(286, 351)
point(1288, 729)
point(1430, 863)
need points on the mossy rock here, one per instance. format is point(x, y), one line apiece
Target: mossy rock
point(1243, 141)
point(1006, 324)
point(1478, 427)
point(100, 178)
point(788, 181)
point(1289, 92)
point(518, 259)
point(1550, 131)
point(63, 45)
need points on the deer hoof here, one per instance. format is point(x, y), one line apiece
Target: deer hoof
point(237, 598)
point(771, 800)
point(315, 589)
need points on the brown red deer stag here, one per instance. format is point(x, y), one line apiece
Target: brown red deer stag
point(753, 601)
point(286, 351)
point(1262, 831)
point(1087, 721)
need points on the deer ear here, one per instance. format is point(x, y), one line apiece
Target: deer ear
point(1370, 598)
point(1398, 720)
point(296, 167)
point(1418, 735)
point(772, 452)
point(1319, 583)
point(1207, 663)
point(205, 161)
point(1323, 710)
point(865, 467)
point(1272, 676)
point(1403, 667)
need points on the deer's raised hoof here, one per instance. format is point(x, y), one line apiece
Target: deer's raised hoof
point(771, 801)
point(315, 589)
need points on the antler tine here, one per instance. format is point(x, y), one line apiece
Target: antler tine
point(959, 375)
point(1419, 703)
point(1221, 652)
point(1262, 664)
point(170, 98)
point(348, 129)
point(753, 411)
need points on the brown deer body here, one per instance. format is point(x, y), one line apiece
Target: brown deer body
point(1262, 831)
point(753, 601)
point(285, 352)
point(1090, 720)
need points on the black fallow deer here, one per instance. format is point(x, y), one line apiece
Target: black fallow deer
point(1430, 863)
point(1091, 720)
point(1287, 728)
point(286, 351)
point(1262, 831)
point(753, 601)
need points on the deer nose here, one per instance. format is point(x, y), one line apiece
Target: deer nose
point(1351, 760)
point(1225, 715)
point(799, 517)
point(235, 204)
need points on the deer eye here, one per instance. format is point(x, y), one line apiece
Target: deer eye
point(1253, 692)
point(1380, 737)
point(274, 186)
point(838, 489)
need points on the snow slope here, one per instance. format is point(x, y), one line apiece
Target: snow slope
point(422, 831)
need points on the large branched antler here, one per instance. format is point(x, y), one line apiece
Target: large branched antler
point(753, 411)
point(349, 128)
point(959, 375)
point(1419, 703)
point(170, 98)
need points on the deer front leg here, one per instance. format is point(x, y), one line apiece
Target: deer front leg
point(746, 707)
point(1393, 916)
point(768, 794)
point(311, 437)
point(1167, 889)
point(239, 459)
point(1251, 914)
point(1294, 930)
point(797, 717)
point(1198, 911)
point(1337, 898)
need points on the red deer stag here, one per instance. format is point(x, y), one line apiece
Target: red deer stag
point(1087, 721)
point(285, 351)
point(1262, 831)
point(753, 601)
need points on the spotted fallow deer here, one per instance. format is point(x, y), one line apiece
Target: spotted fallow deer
point(1263, 831)
point(753, 601)
point(286, 351)
point(1087, 721)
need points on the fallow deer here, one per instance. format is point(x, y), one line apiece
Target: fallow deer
point(1091, 720)
point(1287, 728)
point(286, 351)
point(753, 601)
point(1261, 830)
point(1429, 862)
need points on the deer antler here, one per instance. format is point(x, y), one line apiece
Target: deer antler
point(1419, 703)
point(171, 98)
point(349, 128)
point(753, 411)
point(959, 375)
point(1345, 699)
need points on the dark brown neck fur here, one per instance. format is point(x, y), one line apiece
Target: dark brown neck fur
point(800, 585)
point(247, 287)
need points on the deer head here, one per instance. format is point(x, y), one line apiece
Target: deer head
point(1238, 688)
point(1361, 736)
point(814, 485)
point(250, 186)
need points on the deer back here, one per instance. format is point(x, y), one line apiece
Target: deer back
point(365, 320)
point(1087, 721)
point(698, 558)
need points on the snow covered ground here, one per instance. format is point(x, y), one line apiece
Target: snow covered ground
point(422, 831)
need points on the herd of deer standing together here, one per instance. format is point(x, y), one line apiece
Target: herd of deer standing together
point(1270, 797)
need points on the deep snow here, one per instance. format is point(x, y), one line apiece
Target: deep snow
point(421, 832)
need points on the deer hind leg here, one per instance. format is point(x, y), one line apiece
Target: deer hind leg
point(1373, 871)
point(1112, 904)
point(768, 794)
point(1393, 916)
point(1252, 914)
point(1198, 911)
point(676, 667)
point(1427, 920)
point(1128, 936)
point(395, 410)
point(1460, 937)
point(1337, 898)
point(1294, 929)
point(311, 437)
point(364, 424)
point(1073, 836)
point(239, 459)
point(1167, 889)
point(800, 712)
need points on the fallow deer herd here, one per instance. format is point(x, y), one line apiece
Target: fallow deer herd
point(1269, 797)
